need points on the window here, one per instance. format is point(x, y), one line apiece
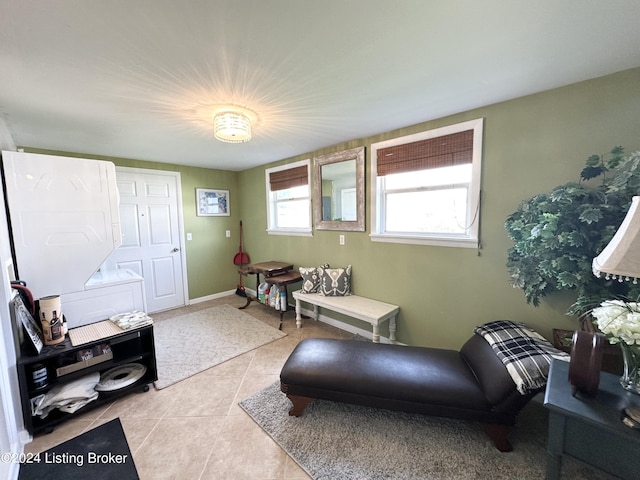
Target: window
point(289, 199)
point(426, 187)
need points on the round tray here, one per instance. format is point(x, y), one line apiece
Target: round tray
point(120, 377)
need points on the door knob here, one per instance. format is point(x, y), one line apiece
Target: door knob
point(176, 249)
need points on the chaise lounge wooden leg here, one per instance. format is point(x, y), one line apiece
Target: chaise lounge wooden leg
point(498, 434)
point(299, 404)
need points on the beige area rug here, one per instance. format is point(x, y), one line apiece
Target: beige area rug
point(337, 441)
point(193, 342)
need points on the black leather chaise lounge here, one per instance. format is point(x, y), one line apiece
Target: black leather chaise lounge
point(470, 384)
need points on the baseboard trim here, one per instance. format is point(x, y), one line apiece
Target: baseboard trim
point(213, 296)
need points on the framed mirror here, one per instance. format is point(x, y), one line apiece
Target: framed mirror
point(338, 190)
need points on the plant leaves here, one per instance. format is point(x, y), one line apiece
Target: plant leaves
point(590, 215)
point(556, 235)
point(588, 173)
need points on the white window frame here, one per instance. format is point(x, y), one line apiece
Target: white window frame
point(272, 229)
point(468, 240)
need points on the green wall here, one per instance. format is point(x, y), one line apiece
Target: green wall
point(531, 144)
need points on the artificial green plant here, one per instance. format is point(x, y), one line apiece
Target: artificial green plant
point(556, 235)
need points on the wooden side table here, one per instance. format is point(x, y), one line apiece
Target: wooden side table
point(274, 273)
point(590, 428)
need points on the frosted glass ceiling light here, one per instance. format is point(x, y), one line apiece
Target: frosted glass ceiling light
point(232, 127)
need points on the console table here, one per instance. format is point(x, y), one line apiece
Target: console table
point(590, 428)
point(274, 273)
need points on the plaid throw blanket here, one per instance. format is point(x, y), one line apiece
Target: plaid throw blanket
point(526, 354)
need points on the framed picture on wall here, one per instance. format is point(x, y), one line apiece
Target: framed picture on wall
point(212, 203)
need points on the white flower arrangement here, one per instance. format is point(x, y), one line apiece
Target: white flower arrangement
point(619, 321)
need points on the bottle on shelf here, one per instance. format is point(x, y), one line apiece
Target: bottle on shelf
point(46, 329)
point(273, 295)
point(57, 334)
point(39, 376)
point(283, 301)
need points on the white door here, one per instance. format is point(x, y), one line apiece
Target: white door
point(151, 223)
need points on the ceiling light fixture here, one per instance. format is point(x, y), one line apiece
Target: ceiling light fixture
point(232, 127)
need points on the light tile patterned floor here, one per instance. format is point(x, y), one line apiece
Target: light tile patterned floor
point(195, 429)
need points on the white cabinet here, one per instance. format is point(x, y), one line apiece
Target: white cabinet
point(106, 295)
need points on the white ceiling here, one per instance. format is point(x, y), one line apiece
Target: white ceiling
point(140, 78)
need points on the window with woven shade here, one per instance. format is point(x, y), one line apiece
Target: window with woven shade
point(289, 199)
point(438, 152)
point(289, 178)
point(426, 187)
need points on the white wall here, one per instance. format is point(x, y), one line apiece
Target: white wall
point(6, 140)
point(10, 412)
point(11, 424)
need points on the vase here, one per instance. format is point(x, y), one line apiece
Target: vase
point(630, 379)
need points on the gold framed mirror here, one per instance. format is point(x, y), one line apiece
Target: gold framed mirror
point(338, 191)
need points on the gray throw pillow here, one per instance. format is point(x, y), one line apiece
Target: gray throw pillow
point(335, 282)
point(311, 278)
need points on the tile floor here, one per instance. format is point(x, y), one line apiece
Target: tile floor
point(195, 429)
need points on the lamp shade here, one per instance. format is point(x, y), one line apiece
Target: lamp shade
point(620, 259)
point(232, 127)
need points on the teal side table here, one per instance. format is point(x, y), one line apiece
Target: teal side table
point(590, 429)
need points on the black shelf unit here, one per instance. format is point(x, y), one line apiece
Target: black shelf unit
point(127, 347)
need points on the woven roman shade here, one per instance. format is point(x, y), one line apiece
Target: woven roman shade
point(444, 151)
point(292, 177)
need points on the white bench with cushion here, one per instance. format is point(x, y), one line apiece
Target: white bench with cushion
point(365, 309)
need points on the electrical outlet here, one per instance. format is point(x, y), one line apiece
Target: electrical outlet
point(341, 239)
point(228, 233)
point(189, 236)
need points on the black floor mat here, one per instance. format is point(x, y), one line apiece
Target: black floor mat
point(99, 454)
